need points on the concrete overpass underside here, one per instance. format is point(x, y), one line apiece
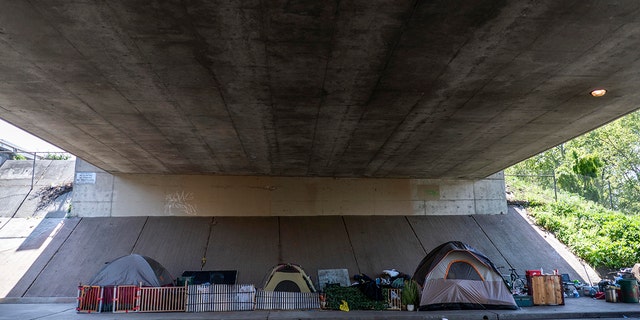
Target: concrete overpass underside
point(391, 89)
point(346, 134)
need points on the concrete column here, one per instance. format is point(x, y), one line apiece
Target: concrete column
point(92, 191)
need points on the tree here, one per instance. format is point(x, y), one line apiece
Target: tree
point(587, 168)
point(620, 142)
point(591, 165)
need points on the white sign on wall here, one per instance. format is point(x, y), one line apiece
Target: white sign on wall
point(85, 178)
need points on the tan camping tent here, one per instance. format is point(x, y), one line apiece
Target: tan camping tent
point(288, 277)
point(456, 276)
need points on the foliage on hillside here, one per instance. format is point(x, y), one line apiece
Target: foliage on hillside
point(597, 181)
point(602, 165)
point(600, 236)
point(57, 156)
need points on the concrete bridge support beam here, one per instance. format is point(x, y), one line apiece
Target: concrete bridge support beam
point(100, 194)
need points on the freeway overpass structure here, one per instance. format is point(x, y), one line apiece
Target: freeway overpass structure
point(307, 115)
point(44, 253)
point(174, 100)
point(9, 150)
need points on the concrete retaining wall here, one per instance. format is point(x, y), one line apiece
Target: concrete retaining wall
point(50, 264)
point(20, 198)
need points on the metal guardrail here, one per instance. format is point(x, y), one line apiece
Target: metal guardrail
point(8, 147)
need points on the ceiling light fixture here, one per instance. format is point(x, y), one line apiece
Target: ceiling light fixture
point(598, 92)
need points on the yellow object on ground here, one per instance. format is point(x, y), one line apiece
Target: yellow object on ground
point(344, 306)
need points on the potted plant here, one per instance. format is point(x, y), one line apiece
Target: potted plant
point(410, 294)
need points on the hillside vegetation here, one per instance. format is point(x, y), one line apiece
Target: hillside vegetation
point(587, 192)
point(604, 238)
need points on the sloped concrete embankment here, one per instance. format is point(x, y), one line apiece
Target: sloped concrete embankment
point(79, 247)
point(30, 217)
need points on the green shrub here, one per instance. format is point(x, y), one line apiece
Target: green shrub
point(54, 156)
point(410, 292)
point(353, 296)
point(600, 236)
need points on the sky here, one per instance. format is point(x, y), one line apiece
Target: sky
point(25, 140)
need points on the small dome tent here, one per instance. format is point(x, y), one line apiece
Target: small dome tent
point(289, 278)
point(454, 275)
point(132, 270)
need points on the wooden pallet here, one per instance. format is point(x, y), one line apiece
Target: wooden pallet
point(547, 290)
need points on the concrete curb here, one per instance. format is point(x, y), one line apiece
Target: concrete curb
point(43, 307)
point(37, 300)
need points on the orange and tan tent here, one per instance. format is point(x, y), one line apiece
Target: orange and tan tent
point(456, 276)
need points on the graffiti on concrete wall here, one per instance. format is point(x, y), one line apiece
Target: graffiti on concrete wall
point(179, 203)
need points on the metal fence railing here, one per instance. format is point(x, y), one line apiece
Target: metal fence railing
point(197, 298)
point(221, 297)
point(33, 157)
point(162, 299)
point(275, 300)
point(89, 299)
point(25, 170)
point(125, 299)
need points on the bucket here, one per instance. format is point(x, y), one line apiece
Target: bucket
point(629, 290)
point(610, 295)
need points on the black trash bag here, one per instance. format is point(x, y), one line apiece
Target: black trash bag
point(362, 278)
point(372, 291)
point(369, 287)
